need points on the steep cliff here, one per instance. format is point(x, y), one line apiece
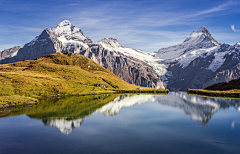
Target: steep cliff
point(66, 37)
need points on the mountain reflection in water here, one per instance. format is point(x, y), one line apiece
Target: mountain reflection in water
point(63, 125)
point(198, 108)
point(68, 113)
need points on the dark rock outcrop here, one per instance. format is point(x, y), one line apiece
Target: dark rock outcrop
point(233, 84)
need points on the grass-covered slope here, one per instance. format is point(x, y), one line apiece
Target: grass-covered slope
point(58, 74)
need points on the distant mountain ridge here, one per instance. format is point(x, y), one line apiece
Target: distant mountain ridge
point(198, 62)
point(66, 37)
point(9, 53)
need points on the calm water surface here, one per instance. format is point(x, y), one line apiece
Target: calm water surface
point(173, 123)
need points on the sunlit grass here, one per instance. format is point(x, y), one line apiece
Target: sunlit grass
point(64, 74)
point(215, 93)
point(60, 75)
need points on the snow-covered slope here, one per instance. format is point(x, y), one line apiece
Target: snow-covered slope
point(113, 45)
point(200, 39)
point(198, 43)
point(127, 63)
point(69, 34)
point(66, 33)
point(196, 63)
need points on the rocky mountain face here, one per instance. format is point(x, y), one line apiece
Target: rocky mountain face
point(199, 62)
point(66, 37)
point(128, 68)
point(220, 66)
point(8, 53)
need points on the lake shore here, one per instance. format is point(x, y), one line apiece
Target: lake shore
point(216, 93)
point(17, 101)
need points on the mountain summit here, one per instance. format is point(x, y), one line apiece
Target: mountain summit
point(198, 62)
point(197, 40)
point(110, 41)
point(68, 34)
point(122, 61)
point(202, 36)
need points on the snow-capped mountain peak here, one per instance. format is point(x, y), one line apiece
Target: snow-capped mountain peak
point(65, 28)
point(64, 23)
point(202, 36)
point(111, 42)
point(68, 34)
point(200, 39)
point(203, 29)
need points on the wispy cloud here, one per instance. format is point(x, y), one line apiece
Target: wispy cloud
point(132, 27)
point(221, 7)
point(233, 28)
point(73, 4)
point(138, 24)
point(193, 35)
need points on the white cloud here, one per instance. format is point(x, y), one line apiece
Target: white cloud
point(155, 25)
point(194, 35)
point(233, 28)
point(222, 7)
point(131, 27)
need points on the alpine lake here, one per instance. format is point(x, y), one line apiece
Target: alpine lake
point(124, 123)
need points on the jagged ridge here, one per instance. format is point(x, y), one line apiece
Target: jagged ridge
point(66, 37)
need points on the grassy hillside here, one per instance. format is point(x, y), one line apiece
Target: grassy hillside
point(57, 74)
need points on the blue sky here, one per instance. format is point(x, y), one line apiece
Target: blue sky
point(141, 24)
